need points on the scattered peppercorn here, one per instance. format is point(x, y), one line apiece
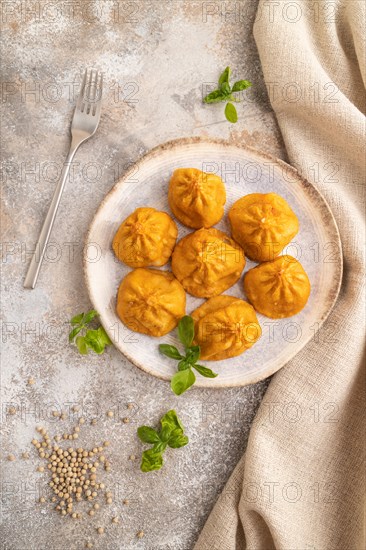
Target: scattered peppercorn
point(73, 473)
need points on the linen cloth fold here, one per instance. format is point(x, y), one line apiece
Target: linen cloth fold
point(300, 484)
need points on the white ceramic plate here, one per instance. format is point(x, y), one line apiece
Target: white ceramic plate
point(244, 171)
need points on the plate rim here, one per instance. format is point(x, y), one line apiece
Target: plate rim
point(170, 145)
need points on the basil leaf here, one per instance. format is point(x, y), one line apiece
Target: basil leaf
point(81, 345)
point(184, 364)
point(177, 441)
point(151, 460)
point(230, 113)
point(241, 85)
point(225, 88)
point(89, 316)
point(225, 76)
point(182, 380)
point(186, 330)
point(171, 419)
point(103, 337)
point(94, 341)
point(75, 331)
point(171, 433)
point(147, 434)
point(77, 319)
point(215, 97)
point(204, 371)
point(165, 433)
point(160, 447)
point(170, 351)
point(193, 354)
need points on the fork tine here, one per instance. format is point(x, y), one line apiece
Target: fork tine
point(80, 100)
point(89, 100)
point(98, 103)
point(94, 85)
point(87, 93)
point(92, 91)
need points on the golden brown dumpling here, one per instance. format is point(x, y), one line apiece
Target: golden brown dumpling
point(263, 224)
point(196, 198)
point(279, 288)
point(147, 237)
point(151, 301)
point(207, 262)
point(225, 327)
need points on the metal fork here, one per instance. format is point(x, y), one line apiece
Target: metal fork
point(84, 125)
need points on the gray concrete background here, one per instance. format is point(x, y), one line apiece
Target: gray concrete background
point(156, 57)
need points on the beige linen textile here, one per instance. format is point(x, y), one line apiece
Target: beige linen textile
point(300, 484)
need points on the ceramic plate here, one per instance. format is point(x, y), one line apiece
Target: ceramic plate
point(244, 170)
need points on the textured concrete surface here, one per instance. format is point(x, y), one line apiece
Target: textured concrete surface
point(157, 57)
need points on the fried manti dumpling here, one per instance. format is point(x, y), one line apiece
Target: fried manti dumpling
point(207, 262)
point(151, 301)
point(196, 198)
point(263, 224)
point(225, 327)
point(145, 238)
point(279, 288)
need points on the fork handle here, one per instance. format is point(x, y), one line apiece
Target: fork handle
point(38, 254)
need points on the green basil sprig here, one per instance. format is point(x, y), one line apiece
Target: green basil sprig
point(185, 377)
point(170, 435)
point(86, 338)
point(225, 93)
